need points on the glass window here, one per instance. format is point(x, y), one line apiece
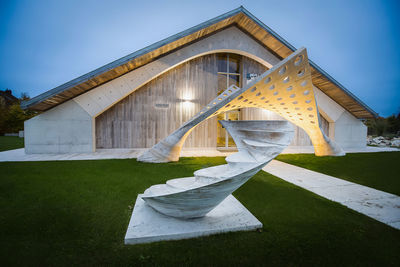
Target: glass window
point(222, 83)
point(222, 62)
point(234, 80)
point(234, 63)
point(228, 74)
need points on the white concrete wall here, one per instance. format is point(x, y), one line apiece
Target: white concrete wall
point(345, 129)
point(67, 128)
point(350, 132)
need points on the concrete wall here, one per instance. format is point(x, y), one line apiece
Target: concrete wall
point(69, 127)
point(345, 129)
point(66, 128)
point(350, 132)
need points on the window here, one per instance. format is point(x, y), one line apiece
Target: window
point(228, 74)
point(228, 71)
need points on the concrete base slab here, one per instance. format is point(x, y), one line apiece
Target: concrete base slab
point(147, 225)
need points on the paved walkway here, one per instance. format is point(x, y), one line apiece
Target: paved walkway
point(376, 204)
point(19, 154)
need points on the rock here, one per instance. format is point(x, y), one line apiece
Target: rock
point(378, 139)
point(395, 142)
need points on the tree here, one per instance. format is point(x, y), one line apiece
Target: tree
point(12, 116)
point(384, 126)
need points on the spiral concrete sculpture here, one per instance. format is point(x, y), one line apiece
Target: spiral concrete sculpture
point(258, 142)
point(285, 89)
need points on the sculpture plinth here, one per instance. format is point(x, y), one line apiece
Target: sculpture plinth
point(258, 142)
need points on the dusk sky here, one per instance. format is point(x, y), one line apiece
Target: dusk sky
point(44, 44)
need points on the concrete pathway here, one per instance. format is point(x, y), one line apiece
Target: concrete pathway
point(376, 204)
point(19, 154)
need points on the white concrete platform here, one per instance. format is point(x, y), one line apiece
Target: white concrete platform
point(19, 154)
point(376, 204)
point(147, 225)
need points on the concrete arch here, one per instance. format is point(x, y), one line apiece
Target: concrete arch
point(230, 40)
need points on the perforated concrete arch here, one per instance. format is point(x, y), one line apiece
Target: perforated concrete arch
point(285, 89)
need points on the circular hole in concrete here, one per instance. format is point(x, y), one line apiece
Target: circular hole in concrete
point(292, 95)
point(272, 87)
point(267, 80)
point(300, 73)
point(282, 70)
point(298, 60)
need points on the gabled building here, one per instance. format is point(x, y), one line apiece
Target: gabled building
point(137, 100)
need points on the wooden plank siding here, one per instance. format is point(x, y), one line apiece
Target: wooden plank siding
point(240, 18)
point(142, 119)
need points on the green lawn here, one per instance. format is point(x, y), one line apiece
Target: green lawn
point(377, 170)
point(68, 213)
point(11, 142)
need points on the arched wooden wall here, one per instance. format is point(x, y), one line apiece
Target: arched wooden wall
point(159, 107)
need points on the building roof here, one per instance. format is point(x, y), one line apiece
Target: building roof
point(240, 18)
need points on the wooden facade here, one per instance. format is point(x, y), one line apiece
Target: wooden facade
point(159, 107)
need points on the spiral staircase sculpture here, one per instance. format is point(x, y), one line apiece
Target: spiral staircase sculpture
point(285, 89)
point(258, 142)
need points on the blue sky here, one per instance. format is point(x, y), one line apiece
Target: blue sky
point(44, 44)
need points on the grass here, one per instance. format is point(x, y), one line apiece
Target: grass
point(377, 170)
point(11, 142)
point(67, 213)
